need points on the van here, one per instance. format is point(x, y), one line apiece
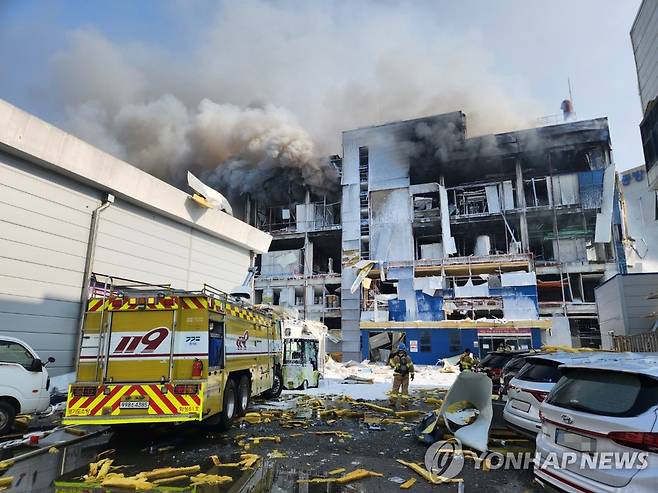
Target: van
point(24, 381)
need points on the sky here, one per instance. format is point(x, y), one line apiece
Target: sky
point(258, 83)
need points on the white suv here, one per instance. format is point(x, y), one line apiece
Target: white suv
point(531, 386)
point(599, 429)
point(24, 381)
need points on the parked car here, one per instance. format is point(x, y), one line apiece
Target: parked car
point(24, 381)
point(511, 369)
point(492, 364)
point(531, 386)
point(603, 406)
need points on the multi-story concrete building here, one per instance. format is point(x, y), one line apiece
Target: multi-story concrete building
point(302, 270)
point(644, 37)
point(452, 242)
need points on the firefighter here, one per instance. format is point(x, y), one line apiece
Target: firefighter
point(403, 368)
point(467, 361)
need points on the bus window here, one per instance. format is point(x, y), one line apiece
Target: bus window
point(216, 344)
point(311, 353)
point(294, 352)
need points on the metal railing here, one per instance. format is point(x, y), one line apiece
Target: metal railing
point(642, 343)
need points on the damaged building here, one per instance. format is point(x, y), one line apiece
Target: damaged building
point(447, 241)
point(302, 270)
point(482, 242)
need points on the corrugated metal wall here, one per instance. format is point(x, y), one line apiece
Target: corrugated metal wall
point(145, 246)
point(44, 229)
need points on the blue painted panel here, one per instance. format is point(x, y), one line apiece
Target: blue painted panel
point(397, 310)
point(536, 338)
point(430, 308)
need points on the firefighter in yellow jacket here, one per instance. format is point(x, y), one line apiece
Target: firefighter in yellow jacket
point(403, 369)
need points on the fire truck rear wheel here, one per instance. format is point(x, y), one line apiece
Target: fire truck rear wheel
point(229, 407)
point(244, 394)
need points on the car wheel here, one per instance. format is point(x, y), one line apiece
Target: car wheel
point(230, 405)
point(244, 395)
point(7, 415)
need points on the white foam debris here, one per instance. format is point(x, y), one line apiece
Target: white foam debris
point(427, 376)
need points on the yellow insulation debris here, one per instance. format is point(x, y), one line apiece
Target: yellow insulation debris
point(117, 481)
point(408, 484)
point(172, 479)
point(357, 475)
point(211, 479)
point(425, 474)
point(167, 472)
point(6, 482)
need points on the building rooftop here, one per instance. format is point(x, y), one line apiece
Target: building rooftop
point(45, 145)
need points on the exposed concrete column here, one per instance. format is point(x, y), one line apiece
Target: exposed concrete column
point(520, 201)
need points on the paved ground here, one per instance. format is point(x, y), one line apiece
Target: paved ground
point(307, 455)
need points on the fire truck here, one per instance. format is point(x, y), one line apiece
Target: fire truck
point(151, 353)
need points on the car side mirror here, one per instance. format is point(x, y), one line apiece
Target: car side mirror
point(36, 365)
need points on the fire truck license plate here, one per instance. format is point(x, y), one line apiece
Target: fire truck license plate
point(134, 405)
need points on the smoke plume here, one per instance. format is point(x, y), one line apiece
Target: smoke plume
point(257, 100)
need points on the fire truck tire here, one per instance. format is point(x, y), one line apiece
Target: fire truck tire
point(244, 395)
point(277, 386)
point(230, 405)
point(7, 415)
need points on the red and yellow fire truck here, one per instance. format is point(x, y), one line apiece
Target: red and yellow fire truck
point(155, 354)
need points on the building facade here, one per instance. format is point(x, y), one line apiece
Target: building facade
point(479, 242)
point(69, 209)
point(449, 242)
point(640, 220)
point(644, 37)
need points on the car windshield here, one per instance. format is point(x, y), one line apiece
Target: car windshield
point(607, 393)
point(492, 360)
point(514, 364)
point(541, 371)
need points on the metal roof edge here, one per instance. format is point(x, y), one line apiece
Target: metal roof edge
point(45, 145)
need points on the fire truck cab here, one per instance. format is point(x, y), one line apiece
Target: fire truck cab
point(155, 354)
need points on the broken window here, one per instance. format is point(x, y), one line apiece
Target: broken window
point(425, 342)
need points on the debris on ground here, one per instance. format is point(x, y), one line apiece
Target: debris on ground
point(355, 475)
point(408, 483)
point(425, 474)
point(211, 479)
point(470, 391)
point(6, 482)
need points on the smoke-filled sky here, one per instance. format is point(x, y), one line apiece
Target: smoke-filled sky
point(252, 94)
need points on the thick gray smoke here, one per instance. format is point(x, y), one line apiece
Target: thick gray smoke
point(257, 100)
